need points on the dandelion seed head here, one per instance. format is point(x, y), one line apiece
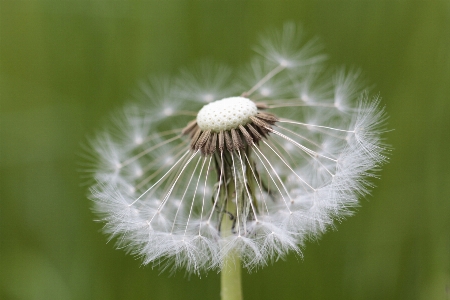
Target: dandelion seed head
point(194, 172)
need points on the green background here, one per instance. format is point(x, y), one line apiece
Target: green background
point(65, 65)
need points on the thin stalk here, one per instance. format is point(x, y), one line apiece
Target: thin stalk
point(230, 276)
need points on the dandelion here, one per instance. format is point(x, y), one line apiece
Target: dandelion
point(214, 168)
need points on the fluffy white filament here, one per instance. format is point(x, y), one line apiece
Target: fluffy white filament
point(160, 199)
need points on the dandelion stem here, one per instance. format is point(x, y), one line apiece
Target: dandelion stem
point(230, 279)
point(230, 276)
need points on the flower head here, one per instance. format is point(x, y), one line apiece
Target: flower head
point(252, 163)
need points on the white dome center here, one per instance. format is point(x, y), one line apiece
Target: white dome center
point(226, 114)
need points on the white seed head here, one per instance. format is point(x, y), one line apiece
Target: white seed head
point(226, 114)
point(257, 184)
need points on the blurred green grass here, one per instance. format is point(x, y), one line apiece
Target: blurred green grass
point(64, 65)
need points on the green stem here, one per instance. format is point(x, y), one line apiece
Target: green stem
point(230, 279)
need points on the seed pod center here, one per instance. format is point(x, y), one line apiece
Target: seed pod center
point(226, 114)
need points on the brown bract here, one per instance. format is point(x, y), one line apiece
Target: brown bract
point(208, 142)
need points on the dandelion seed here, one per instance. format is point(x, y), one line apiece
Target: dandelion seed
point(200, 170)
